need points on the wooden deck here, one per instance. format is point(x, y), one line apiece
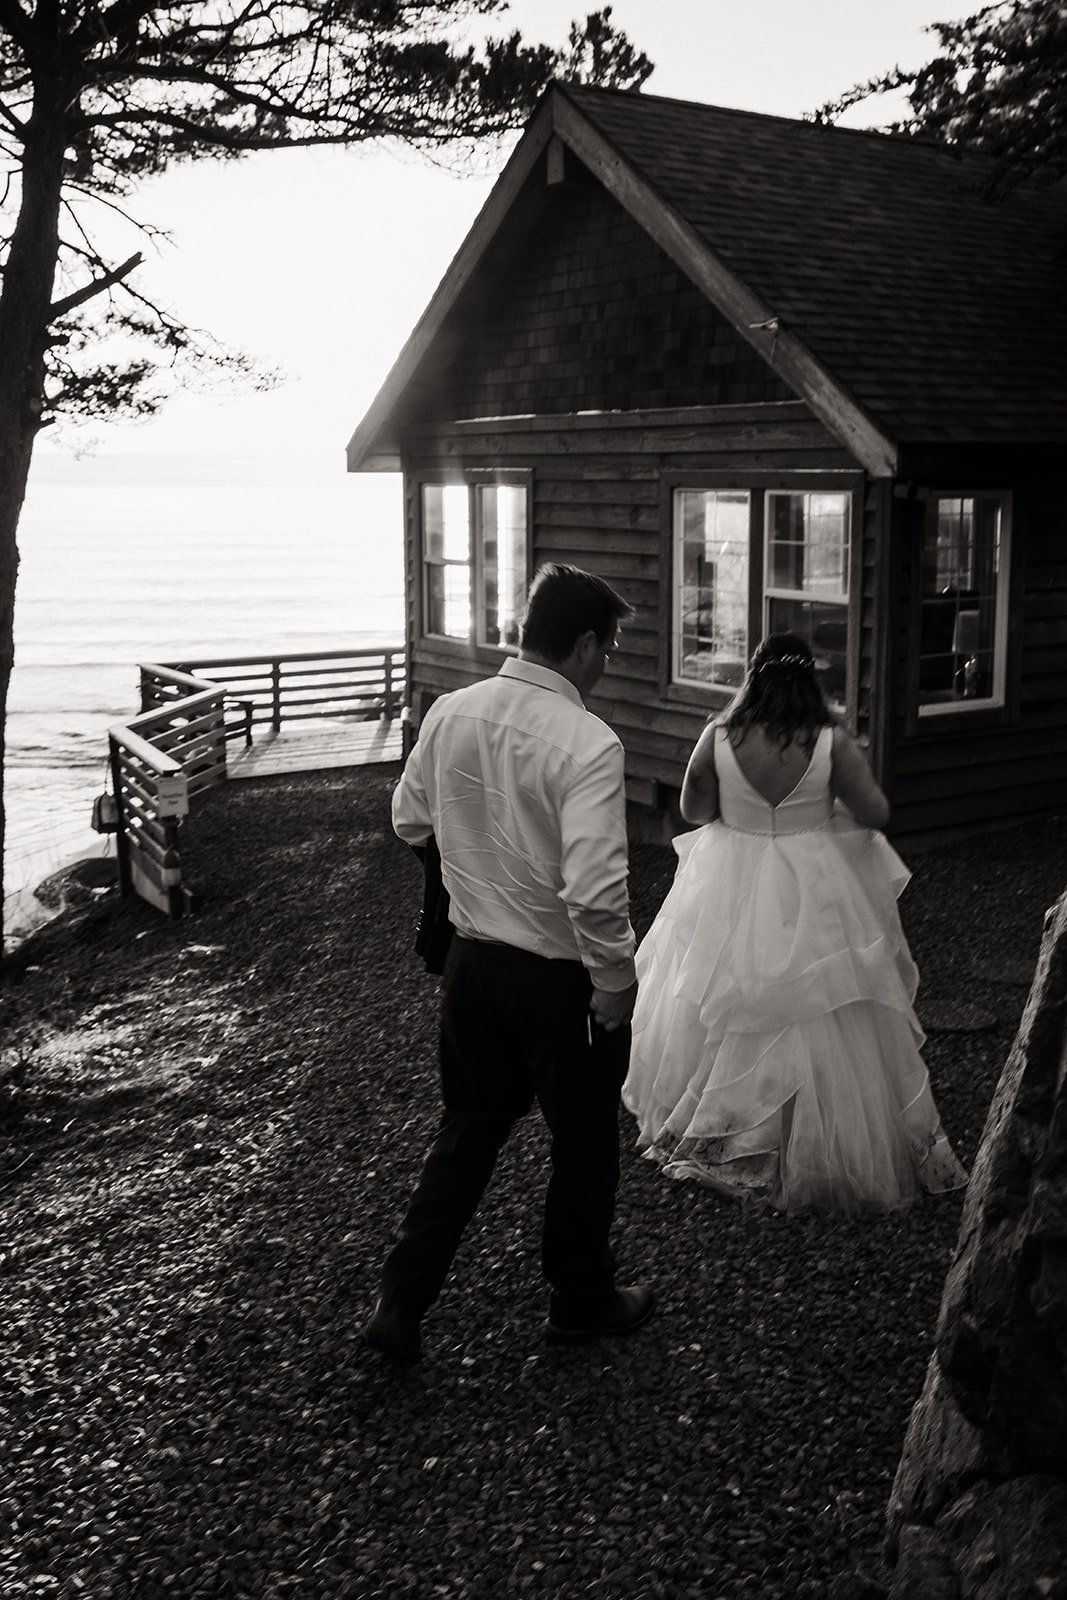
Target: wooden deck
point(315, 746)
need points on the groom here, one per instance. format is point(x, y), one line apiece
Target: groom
point(522, 788)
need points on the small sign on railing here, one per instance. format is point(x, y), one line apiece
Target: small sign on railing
point(172, 794)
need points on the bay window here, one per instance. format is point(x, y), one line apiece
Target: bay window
point(474, 558)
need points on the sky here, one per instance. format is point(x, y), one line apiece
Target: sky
point(319, 263)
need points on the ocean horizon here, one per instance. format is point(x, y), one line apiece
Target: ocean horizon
point(148, 557)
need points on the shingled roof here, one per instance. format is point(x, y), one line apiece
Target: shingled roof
point(942, 312)
point(869, 269)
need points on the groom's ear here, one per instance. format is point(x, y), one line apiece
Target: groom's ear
point(587, 647)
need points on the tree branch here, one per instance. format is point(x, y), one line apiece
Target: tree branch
point(149, 229)
point(19, 24)
point(60, 308)
point(13, 122)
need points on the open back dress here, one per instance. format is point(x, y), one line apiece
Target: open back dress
point(776, 1050)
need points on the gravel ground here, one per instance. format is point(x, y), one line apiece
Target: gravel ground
point(207, 1132)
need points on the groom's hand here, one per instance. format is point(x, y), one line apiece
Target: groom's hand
point(611, 1008)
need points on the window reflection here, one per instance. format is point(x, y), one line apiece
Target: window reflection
point(960, 586)
point(808, 540)
point(712, 585)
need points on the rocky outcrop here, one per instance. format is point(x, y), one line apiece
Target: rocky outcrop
point(979, 1506)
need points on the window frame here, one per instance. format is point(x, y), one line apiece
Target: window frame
point(472, 479)
point(936, 717)
point(713, 697)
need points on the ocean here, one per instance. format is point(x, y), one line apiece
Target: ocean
point(151, 558)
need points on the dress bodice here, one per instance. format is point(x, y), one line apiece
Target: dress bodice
point(808, 805)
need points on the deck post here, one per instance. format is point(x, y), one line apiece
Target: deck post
point(390, 698)
point(122, 844)
point(172, 875)
point(276, 694)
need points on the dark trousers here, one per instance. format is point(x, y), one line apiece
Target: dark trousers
point(515, 1029)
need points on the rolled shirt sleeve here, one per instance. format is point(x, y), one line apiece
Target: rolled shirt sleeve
point(594, 865)
point(410, 808)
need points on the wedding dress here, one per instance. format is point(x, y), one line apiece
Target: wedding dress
point(776, 1051)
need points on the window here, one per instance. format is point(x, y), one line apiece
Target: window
point(474, 561)
point(730, 584)
point(963, 603)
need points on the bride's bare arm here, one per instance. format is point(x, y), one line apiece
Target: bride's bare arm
point(700, 786)
point(853, 783)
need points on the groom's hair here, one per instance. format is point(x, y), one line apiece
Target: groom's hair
point(564, 602)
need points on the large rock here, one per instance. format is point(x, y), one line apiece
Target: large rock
point(979, 1506)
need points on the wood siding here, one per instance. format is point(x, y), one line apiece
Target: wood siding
point(870, 591)
point(600, 499)
point(984, 769)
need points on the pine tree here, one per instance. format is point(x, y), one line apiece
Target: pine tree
point(97, 96)
point(998, 83)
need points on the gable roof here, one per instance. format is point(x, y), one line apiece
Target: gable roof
point(868, 269)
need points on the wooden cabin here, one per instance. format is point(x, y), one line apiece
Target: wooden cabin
point(759, 374)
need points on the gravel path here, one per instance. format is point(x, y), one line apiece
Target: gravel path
point(207, 1131)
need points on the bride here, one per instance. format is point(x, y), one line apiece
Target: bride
point(776, 1051)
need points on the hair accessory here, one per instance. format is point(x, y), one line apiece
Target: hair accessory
point(791, 663)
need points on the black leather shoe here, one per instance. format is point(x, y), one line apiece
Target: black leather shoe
point(393, 1335)
point(623, 1312)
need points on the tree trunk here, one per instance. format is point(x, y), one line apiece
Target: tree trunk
point(25, 302)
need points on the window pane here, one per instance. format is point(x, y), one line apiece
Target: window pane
point(456, 518)
point(961, 569)
point(807, 543)
point(502, 536)
point(445, 517)
point(448, 606)
point(711, 585)
point(825, 627)
point(448, 601)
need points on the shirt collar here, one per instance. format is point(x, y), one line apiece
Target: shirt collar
point(543, 677)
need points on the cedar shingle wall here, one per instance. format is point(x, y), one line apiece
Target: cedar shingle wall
point(592, 315)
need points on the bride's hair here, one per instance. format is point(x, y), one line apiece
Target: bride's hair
point(780, 692)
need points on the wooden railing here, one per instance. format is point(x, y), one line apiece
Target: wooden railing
point(176, 748)
point(169, 686)
point(271, 690)
point(160, 761)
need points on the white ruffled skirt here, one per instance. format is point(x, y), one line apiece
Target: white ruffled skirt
point(776, 1051)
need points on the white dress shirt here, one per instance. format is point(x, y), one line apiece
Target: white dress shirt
point(523, 789)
